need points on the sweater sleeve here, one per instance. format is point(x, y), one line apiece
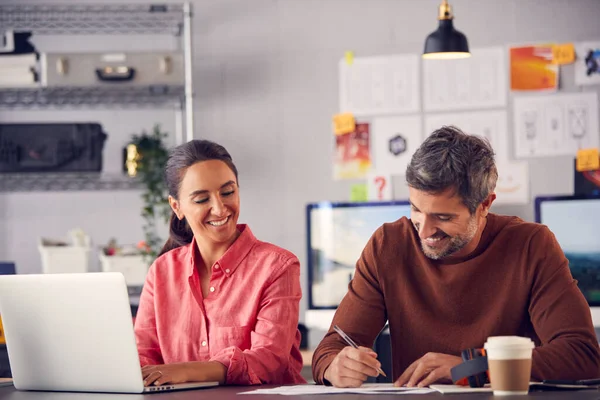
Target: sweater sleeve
point(145, 324)
point(560, 316)
point(361, 313)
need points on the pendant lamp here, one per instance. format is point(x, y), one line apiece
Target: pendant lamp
point(446, 42)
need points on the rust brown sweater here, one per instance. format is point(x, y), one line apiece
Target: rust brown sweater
point(516, 282)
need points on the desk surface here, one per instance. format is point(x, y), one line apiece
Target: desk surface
point(230, 393)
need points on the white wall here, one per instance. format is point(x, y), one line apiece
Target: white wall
point(265, 74)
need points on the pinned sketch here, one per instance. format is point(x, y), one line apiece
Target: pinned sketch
point(555, 125)
point(394, 141)
point(587, 66)
point(476, 82)
point(491, 125)
point(380, 85)
point(512, 186)
point(379, 187)
point(532, 68)
point(352, 159)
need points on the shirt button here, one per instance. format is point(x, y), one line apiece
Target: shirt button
point(227, 270)
point(204, 343)
point(212, 289)
point(216, 267)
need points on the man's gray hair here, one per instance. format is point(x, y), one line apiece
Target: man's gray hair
point(450, 158)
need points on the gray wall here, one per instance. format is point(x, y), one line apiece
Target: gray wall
point(265, 74)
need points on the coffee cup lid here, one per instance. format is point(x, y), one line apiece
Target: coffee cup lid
point(508, 341)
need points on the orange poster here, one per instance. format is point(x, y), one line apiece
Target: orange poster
point(353, 153)
point(532, 68)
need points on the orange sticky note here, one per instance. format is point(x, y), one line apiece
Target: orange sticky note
point(588, 160)
point(344, 123)
point(563, 53)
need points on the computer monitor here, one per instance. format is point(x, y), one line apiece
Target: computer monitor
point(575, 221)
point(336, 235)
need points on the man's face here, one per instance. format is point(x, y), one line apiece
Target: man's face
point(444, 223)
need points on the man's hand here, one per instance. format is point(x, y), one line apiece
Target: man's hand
point(351, 367)
point(431, 368)
point(166, 373)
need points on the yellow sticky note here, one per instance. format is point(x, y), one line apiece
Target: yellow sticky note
point(563, 53)
point(343, 123)
point(349, 57)
point(588, 160)
point(358, 192)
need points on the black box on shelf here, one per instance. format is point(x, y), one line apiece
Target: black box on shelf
point(51, 147)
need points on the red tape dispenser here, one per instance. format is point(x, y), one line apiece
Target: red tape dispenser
point(473, 371)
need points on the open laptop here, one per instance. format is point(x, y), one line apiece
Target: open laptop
point(73, 332)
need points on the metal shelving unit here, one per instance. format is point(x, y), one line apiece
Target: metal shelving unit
point(98, 19)
point(51, 182)
point(73, 97)
point(94, 19)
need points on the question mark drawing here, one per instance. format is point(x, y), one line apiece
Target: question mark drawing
point(380, 184)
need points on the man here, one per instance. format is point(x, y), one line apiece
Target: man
point(455, 274)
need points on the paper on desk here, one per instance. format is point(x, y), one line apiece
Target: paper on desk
point(368, 388)
point(452, 389)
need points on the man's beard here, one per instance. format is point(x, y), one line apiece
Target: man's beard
point(454, 243)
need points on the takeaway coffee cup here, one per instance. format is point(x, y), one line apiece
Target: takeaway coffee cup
point(509, 364)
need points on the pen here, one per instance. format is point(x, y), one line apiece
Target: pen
point(348, 340)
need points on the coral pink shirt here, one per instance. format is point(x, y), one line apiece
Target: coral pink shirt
point(248, 322)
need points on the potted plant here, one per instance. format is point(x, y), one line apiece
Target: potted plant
point(146, 159)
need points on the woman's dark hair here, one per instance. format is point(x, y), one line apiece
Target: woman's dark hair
point(180, 159)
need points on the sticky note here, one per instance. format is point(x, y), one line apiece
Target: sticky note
point(349, 57)
point(588, 160)
point(563, 53)
point(343, 123)
point(358, 192)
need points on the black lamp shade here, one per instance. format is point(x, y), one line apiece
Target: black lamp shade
point(446, 42)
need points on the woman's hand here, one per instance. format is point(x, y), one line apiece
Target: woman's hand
point(165, 373)
point(197, 371)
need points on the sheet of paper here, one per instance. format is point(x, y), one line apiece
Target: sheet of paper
point(489, 124)
point(374, 388)
point(394, 141)
point(555, 125)
point(379, 187)
point(380, 85)
point(453, 389)
point(587, 65)
point(512, 186)
point(476, 82)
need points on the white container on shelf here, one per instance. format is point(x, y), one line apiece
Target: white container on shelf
point(64, 259)
point(133, 267)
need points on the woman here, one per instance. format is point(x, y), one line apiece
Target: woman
point(218, 304)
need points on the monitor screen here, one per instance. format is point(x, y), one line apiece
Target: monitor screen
point(575, 221)
point(337, 234)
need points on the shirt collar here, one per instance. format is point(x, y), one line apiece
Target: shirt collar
point(234, 255)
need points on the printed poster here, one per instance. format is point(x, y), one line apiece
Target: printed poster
point(531, 68)
point(587, 65)
point(352, 159)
